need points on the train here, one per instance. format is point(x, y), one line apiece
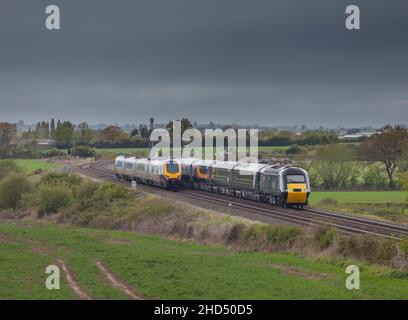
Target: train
point(276, 184)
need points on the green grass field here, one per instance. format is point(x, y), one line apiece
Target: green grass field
point(166, 269)
point(360, 196)
point(29, 165)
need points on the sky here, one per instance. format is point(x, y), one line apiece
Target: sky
point(262, 62)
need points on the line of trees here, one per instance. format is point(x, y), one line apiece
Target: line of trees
point(379, 162)
point(287, 138)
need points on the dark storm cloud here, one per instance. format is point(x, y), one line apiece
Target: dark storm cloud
point(265, 62)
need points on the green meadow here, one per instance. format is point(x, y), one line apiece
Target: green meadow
point(360, 196)
point(29, 165)
point(168, 269)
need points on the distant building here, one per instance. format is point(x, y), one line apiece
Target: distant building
point(357, 136)
point(46, 142)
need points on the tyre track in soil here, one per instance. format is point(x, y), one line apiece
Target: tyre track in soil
point(117, 283)
point(69, 276)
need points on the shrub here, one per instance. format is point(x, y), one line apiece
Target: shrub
point(282, 234)
point(8, 166)
point(12, 189)
point(83, 151)
point(85, 192)
point(107, 194)
point(236, 232)
point(325, 237)
point(52, 152)
point(294, 149)
point(53, 198)
point(374, 178)
point(55, 178)
point(403, 245)
point(368, 247)
point(328, 201)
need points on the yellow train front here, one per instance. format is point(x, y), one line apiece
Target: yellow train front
point(286, 186)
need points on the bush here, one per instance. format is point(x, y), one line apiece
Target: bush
point(236, 232)
point(328, 201)
point(374, 178)
point(264, 235)
point(84, 194)
point(368, 247)
point(325, 237)
point(52, 199)
point(8, 166)
point(294, 149)
point(52, 152)
point(282, 234)
point(82, 151)
point(12, 189)
point(55, 178)
point(403, 245)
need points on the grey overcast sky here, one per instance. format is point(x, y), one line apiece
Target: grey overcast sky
point(261, 62)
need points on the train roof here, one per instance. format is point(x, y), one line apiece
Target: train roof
point(224, 165)
point(204, 162)
point(249, 167)
point(187, 161)
point(273, 169)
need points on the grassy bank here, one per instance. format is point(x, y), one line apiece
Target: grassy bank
point(166, 269)
point(379, 205)
point(360, 196)
point(29, 165)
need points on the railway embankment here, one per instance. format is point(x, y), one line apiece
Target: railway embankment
point(70, 199)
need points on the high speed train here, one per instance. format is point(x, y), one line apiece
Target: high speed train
point(159, 172)
point(281, 185)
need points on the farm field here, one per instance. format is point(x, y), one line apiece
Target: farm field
point(168, 269)
point(29, 165)
point(360, 196)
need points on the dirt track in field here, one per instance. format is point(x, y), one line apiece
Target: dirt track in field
point(69, 276)
point(117, 283)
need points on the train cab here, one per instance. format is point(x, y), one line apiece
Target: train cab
point(172, 173)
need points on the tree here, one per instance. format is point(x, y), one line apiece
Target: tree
point(83, 134)
point(143, 131)
point(387, 147)
point(185, 124)
point(52, 128)
point(7, 132)
point(12, 189)
point(64, 134)
point(134, 133)
point(334, 166)
point(112, 134)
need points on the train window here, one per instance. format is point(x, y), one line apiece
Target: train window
point(172, 167)
point(203, 170)
point(128, 165)
point(295, 178)
point(274, 183)
point(119, 163)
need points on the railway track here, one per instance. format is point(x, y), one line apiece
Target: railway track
point(346, 223)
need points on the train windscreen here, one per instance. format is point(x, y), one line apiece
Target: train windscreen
point(203, 170)
point(295, 178)
point(172, 167)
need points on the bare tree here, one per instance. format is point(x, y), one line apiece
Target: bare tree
point(387, 147)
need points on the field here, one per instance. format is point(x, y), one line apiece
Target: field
point(29, 165)
point(360, 196)
point(167, 269)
